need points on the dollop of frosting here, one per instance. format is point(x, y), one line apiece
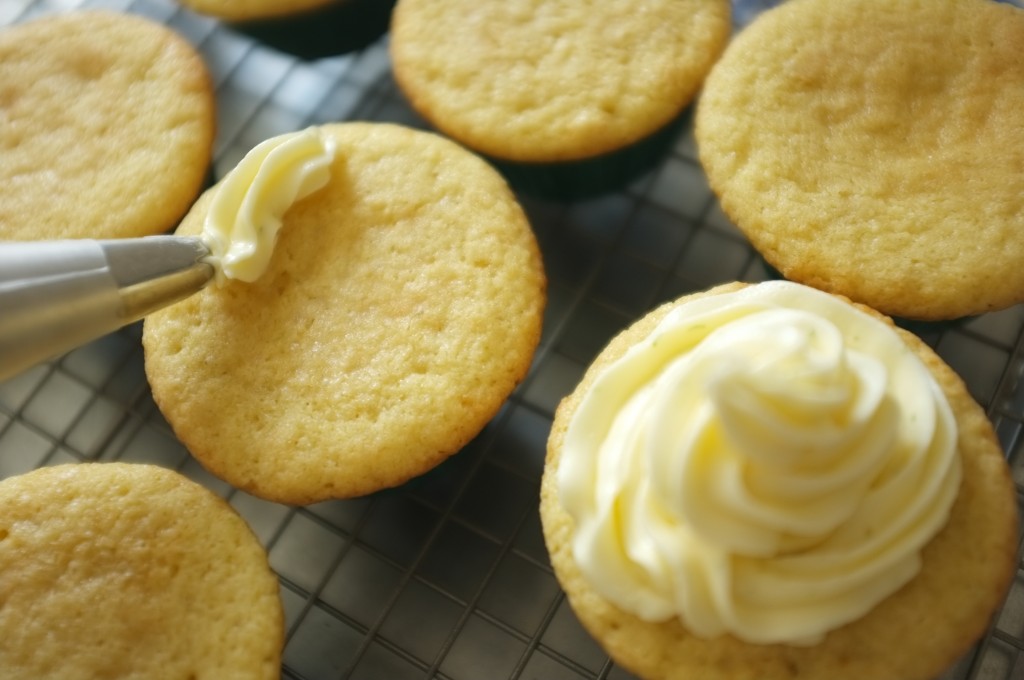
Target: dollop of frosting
point(768, 463)
point(246, 212)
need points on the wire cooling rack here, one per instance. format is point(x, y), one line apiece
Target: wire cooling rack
point(447, 577)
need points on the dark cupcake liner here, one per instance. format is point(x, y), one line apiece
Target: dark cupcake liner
point(574, 180)
point(338, 28)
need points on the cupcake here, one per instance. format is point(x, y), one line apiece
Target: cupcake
point(308, 29)
point(398, 310)
point(108, 124)
point(768, 481)
point(568, 98)
point(131, 571)
point(874, 149)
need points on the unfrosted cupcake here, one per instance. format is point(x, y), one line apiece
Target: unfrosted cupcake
point(108, 124)
point(566, 98)
point(873, 149)
point(399, 309)
point(309, 29)
point(117, 570)
point(767, 481)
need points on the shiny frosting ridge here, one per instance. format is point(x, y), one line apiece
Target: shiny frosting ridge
point(767, 463)
point(246, 212)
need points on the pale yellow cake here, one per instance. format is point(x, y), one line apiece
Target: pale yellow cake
point(873, 148)
point(912, 633)
point(540, 82)
point(129, 571)
point(106, 127)
point(402, 305)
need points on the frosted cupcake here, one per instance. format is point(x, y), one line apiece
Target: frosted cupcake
point(566, 98)
point(769, 482)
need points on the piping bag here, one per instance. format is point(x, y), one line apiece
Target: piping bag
point(57, 295)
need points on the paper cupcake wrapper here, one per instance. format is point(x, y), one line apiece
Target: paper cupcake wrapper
point(575, 180)
point(340, 27)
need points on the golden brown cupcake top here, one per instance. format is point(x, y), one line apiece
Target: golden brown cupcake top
point(530, 80)
point(401, 306)
point(131, 571)
point(874, 149)
point(107, 127)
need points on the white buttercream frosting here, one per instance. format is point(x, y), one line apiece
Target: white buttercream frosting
point(246, 212)
point(769, 463)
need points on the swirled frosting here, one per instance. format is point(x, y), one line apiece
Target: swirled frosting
point(768, 463)
point(246, 212)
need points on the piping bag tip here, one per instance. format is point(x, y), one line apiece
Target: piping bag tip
point(57, 295)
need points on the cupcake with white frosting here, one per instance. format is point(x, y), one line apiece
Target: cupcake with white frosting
point(770, 482)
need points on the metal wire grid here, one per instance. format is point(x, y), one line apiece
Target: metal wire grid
point(447, 577)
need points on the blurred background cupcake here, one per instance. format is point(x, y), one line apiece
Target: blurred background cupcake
point(567, 99)
point(309, 29)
